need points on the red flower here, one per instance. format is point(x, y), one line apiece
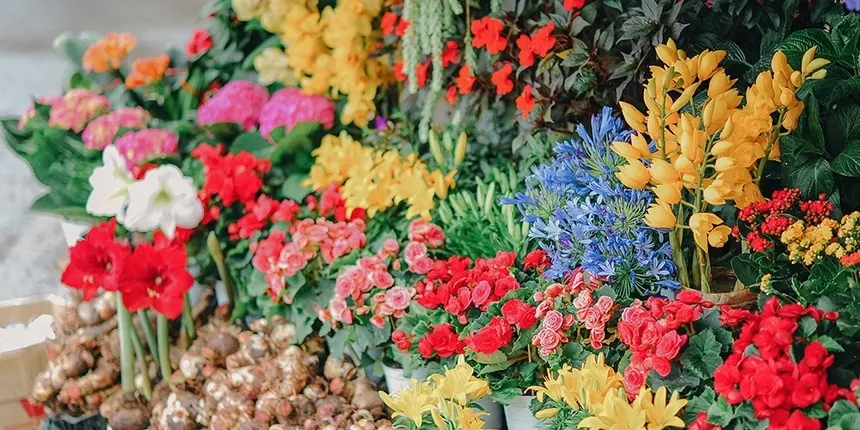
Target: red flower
point(389, 20)
point(570, 5)
point(229, 176)
point(402, 339)
point(421, 73)
point(200, 42)
point(451, 96)
point(156, 277)
point(731, 317)
point(491, 338)
point(449, 55)
point(536, 259)
point(465, 80)
point(526, 56)
point(542, 41)
point(701, 422)
point(401, 28)
point(488, 32)
point(525, 102)
point(798, 421)
point(94, 261)
point(518, 313)
point(502, 79)
point(398, 72)
point(442, 341)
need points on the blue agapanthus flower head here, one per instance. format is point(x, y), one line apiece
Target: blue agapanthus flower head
point(583, 216)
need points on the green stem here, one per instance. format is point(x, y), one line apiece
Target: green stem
point(770, 144)
point(218, 256)
point(126, 348)
point(164, 347)
point(146, 385)
point(188, 319)
point(704, 263)
point(135, 96)
point(149, 333)
point(676, 241)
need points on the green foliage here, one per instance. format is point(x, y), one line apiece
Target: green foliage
point(702, 354)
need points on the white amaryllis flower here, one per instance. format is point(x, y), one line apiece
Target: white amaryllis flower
point(163, 199)
point(110, 186)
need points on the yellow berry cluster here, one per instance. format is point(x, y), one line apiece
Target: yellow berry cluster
point(375, 179)
point(327, 52)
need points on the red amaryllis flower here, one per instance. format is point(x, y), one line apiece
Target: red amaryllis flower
point(94, 261)
point(155, 276)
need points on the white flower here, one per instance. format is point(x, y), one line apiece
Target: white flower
point(110, 186)
point(163, 199)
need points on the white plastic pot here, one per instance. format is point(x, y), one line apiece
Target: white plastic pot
point(496, 417)
point(518, 415)
point(396, 379)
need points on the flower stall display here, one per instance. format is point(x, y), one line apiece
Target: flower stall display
point(311, 195)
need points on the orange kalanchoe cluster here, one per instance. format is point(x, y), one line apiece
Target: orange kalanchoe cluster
point(707, 153)
point(146, 71)
point(109, 53)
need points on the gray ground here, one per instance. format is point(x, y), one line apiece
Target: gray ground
point(32, 247)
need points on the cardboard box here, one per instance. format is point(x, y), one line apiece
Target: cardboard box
point(18, 368)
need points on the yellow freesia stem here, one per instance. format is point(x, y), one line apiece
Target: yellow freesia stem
point(770, 144)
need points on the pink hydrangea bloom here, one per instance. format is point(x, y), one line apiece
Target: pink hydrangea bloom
point(76, 109)
point(238, 102)
point(31, 111)
point(101, 132)
point(289, 106)
point(137, 147)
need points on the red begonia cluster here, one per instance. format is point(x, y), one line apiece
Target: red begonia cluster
point(777, 384)
point(442, 340)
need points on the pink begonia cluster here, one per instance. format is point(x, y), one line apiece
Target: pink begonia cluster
point(75, 109)
point(238, 102)
point(289, 106)
point(278, 258)
point(369, 278)
point(101, 132)
point(422, 234)
point(138, 147)
point(31, 111)
point(555, 325)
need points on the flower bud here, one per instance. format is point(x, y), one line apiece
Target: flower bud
point(641, 145)
point(669, 193)
point(626, 150)
point(685, 97)
point(435, 149)
point(659, 215)
point(724, 164)
point(727, 129)
point(634, 118)
point(719, 236)
point(663, 172)
point(819, 74)
point(808, 56)
point(634, 174)
point(779, 63)
point(460, 150)
point(667, 55)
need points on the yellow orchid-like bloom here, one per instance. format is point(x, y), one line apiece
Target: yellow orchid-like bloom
point(660, 413)
point(460, 384)
point(659, 215)
point(412, 402)
point(615, 413)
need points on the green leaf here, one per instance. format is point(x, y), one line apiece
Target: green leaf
point(697, 404)
point(296, 139)
point(844, 415)
point(797, 43)
point(830, 344)
point(720, 413)
point(808, 326)
point(257, 285)
point(796, 151)
point(813, 178)
point(494, 358)
point(841, 88)
point(843, 126)
point(847, 163)
point(293, 188)
point(746, 269)
point(814, 123)
point(702, 355)
point(253, 143)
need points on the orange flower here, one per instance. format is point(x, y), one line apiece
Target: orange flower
point(526, 55)
point(449, 55)
point(146, 71)
point(543, 41)
point(398, 72)
point(526, 102)
point(421, 73)
point(401, 28)
point(389, 20)
point(452, 94)
point(570, 5)
point(108, 54)
point(465, 80)
point(502, 79)
point(488, 32)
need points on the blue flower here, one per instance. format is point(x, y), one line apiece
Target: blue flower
point(582, 215)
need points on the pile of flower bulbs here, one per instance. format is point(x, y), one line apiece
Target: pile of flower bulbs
point(83, 366)
point(257, 379)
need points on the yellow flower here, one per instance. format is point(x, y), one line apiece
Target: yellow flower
point(660, 215)
point(545, 414)
point(661, 414)
point(669, 193)
point(626, 150)
point(247, 10)
point(616, 414)
point(634, 118)
point(273, 66)
point(460, 384)
point(412, 402)
point(663, 173)
point(634, 174)
point(552, 388)
point(719, 236)
point(702, 223)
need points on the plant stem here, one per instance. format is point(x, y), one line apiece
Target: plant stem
point(218, 256)
point(126, 348)
point(149, 333)
point(164, 347)
point(146, 385)
point(704, 263)
point(770, 144)
point(188, 319)
point(676, 241)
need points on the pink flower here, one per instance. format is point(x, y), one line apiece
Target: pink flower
point(548, 339)
point(634, 379)
point(339, 310)
point(391, 246)
point(583, 300)
point(31, 111)
point(238, 102)
point(604, 304)
point(414, 250)
point(544, 307)
point(670, 344)
point(77, 108)
point(598, 335)
point(138, 147)
point(381, 279)
point(421, 265)
point(592, 318)
point(398, 298)
point(101, 132)
point(481, 293)
point(426, 232)
point(553, 320)
point(290, 106)
point(345, 286)
point(377, 321)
